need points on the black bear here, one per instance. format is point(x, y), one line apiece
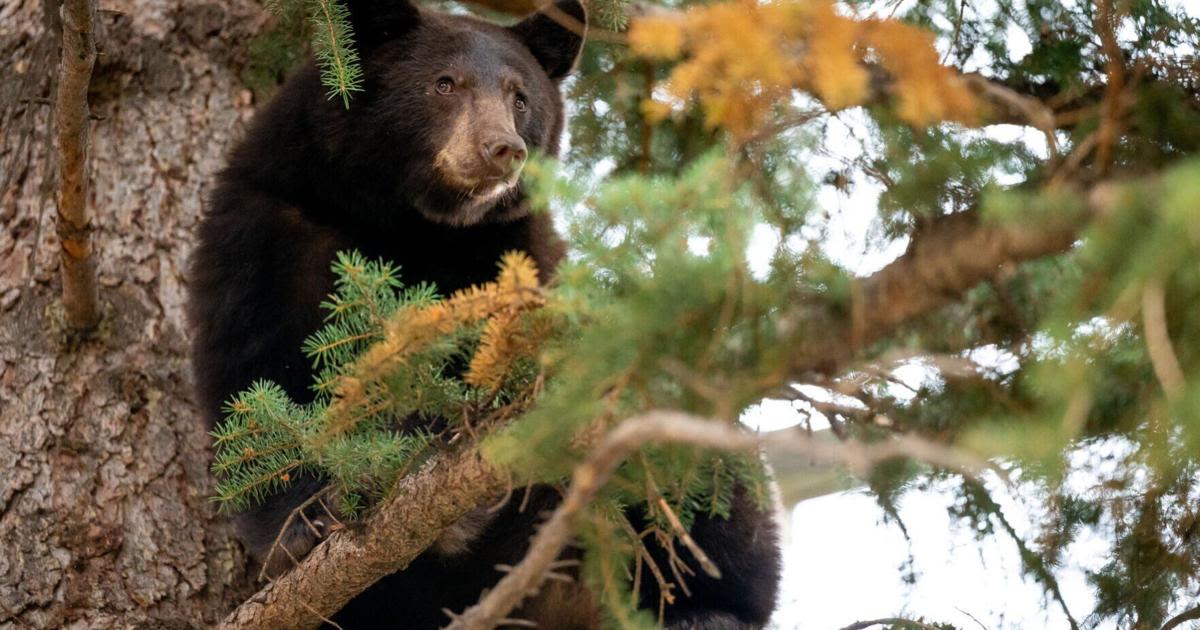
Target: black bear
point(421, 169)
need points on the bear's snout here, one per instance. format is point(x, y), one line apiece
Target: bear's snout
point(503, 155)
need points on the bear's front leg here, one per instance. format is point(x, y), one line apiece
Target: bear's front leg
point(278, 535)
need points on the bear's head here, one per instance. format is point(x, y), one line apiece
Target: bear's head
point(451, 108)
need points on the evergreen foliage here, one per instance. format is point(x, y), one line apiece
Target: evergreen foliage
point(1078, 374)
point(267, 438)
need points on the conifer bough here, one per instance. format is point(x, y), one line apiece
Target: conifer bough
point(944, 262)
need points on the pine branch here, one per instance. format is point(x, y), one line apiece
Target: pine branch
point(333, 44)
point(332, 40)
point(411, 330)
point(80, 296)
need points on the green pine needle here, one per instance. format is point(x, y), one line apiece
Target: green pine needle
point(332, 43)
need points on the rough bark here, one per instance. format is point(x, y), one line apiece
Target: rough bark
point(949, 257)
point(104, 482)
point(406, 524)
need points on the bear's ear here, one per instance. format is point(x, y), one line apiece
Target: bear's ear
point(555, 35)
point(376, 21)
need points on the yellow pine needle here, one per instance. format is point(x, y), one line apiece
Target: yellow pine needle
point(516, 289)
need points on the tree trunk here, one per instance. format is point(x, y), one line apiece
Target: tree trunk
point(105, 520)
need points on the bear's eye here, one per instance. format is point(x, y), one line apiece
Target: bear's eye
point(519, 103)
point(445, 85)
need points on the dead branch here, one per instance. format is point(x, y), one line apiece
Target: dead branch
point(1006, 105)
point(673, 426)
point(265, 572)
point(417, 512)
point(80, 299)
point(681, 532)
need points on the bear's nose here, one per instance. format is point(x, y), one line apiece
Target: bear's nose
point(504, 155)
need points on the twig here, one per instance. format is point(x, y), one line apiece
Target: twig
point(664, 587)
point(672, 426)
point(1114, 66)
point(1036, 566)
point(283, 529)
point(324, 619)
point(972, 618)
point(825, 407)
point(1009, 106)
point(681, 532)
point(1074, 160)
point(958, 22)
point(80, 298)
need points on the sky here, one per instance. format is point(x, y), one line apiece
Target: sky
point(843, 564)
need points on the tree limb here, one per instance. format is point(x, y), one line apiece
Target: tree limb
point(426, 503)
point(351, 560)
point(80, 300)
point(952, 255)
point(1158, 341)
